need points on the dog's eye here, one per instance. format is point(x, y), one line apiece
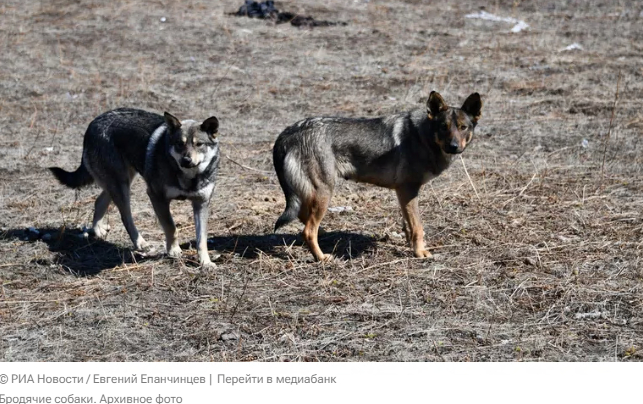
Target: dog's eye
point(199, 144)
point(443, 125)
point(464, 127)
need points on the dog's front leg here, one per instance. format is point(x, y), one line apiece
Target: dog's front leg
point(201, 223)
point(407, 195)
point(162, 209)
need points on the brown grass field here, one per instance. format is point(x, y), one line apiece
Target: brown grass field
point(539, 249)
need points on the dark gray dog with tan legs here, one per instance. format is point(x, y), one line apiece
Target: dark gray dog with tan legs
point(177, 159)
point(401, 151)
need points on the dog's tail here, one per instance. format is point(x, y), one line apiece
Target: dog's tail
point(293, 202)
point(79, 178)
point(291, 211)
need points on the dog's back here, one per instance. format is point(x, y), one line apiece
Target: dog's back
point(119, 136)
point(123, 133)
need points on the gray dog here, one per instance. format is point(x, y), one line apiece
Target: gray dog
point(401, 151)
point(178, 160)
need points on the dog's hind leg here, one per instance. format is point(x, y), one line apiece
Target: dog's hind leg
point(312, 212)
point(407, 234)
point(407, 195)
point(100, 208)
point(121, 196)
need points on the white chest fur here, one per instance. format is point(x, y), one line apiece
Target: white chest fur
point(203, 193)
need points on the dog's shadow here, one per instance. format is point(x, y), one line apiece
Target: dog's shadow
point(85, 255)
point(341, 244)
point(80, 253)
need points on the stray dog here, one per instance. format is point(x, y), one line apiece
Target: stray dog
point(178, 160)
point(401, 151)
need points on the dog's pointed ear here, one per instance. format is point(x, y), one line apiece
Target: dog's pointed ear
point(171, 121)
point(473, 106)
point(210, 125)
point(435, 104)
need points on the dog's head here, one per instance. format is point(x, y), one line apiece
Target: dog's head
point(193, 145)
point(453, 127)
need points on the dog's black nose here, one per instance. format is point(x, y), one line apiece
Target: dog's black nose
point(186, 161)
point(452, 147)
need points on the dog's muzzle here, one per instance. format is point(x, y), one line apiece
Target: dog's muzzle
point(187, 162)
point(453, 148)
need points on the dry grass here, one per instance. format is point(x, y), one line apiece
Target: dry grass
point(540, 261)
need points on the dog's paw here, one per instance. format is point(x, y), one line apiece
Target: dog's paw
point(208, 265)
point(423, 254)
point(175, 252)
point(100, 231)
point(326, 258)
point(148, 252)
point(204, 260)
point(142, 245)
